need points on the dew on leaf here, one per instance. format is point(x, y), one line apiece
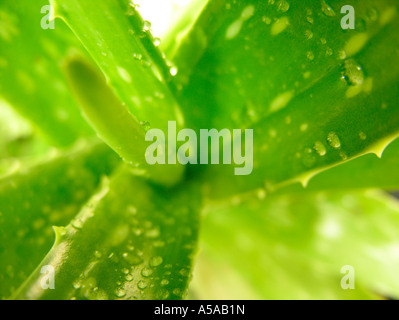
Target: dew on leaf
point(156, 261)
point(308, 34)
point(142, 284)
point(362, 135)
point(352, 72)
point(76, 284)
point(283, 6)
point(146, 272)
point(266, 20)
point(129, 277)
point(120, 292)
point(310, 55)
point(326, 9)
point(157, 42)
point(333, 140)
point(146, 26)
point(320, 148)
point(164, 282)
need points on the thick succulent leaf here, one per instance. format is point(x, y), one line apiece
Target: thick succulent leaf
point(121, 43)
point(315, 95)
point(293, 247)
point(30, 78)
point(131, 241)
point(37, 196)
point(113, 122)
point(365, 172)
point(177, 35)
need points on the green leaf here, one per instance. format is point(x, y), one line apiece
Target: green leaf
point(30, 78)
point(131, 241)
point(35, 197)
point(315, 95)
point(121, 44)
point(293, 247)
point(368, 171)
point(114, 124)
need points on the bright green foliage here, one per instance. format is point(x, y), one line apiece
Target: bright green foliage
point(311, 108)
point(297, 246)
point(137, 246)
point(322, 101)
point(121, 44)
point(30, 77)
point(34, 199)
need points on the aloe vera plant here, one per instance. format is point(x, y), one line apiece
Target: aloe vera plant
point(79, 201)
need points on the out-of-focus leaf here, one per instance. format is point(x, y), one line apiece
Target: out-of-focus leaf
point(30, 78)
point(177, 35)
point(293, 247)
point(315, 95)
point(36, 197)
point(131, 241)
point(121, 43)
point(114, 124)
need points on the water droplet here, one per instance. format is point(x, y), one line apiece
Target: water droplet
point(77, 223)
point(157, 42)
point(142, 284)
point(352, 72)
point(266, 20)
point(129, 277)
point(342, 54)
point(283, 6)
point(333, 140)
point(163, 294)
point(76, 284)
point(146, 272)
point(343, 156)
point(156, 261)
point(120, 292)
point(97, 254)
point(147, 126)
point(327, 10)
point(320, 148)
point(146, 26)
point(183, 272)
point(310, 55)
point(164, 282)
point(308, 34)
point(362, 135)
point(176, 291)
point(125, 270)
